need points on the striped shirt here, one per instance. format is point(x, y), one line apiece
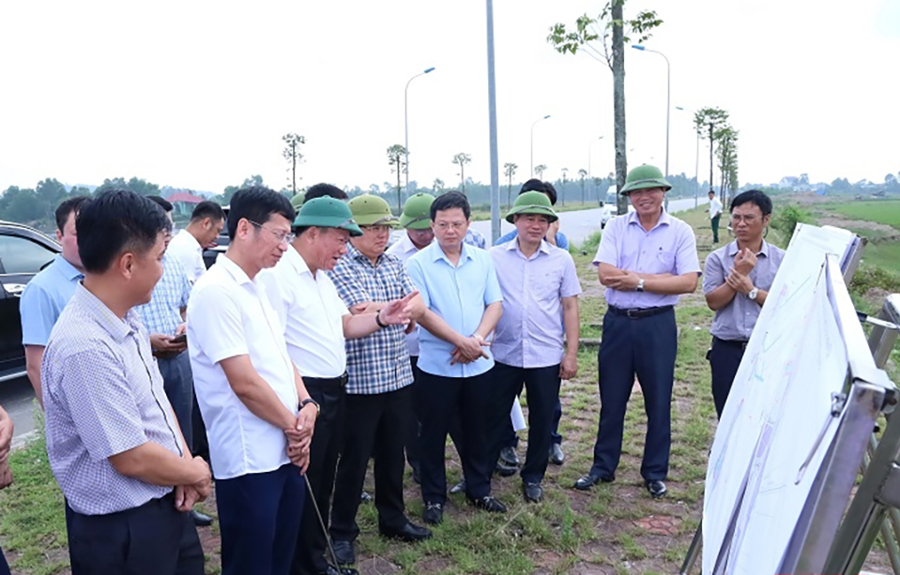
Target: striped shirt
point(377, 363)
point(103, 395)
point(163, 314)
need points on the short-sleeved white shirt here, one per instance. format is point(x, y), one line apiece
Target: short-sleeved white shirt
point(229, 315)
point(311, 313)
point(185, 248)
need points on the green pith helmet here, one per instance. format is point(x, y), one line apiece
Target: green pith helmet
point(297, 201)
point(370, 210)
point(532, 203)
point(417, 212)
point(643, 177)
point(327, 212)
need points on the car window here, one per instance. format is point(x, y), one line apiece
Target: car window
point(23, 256)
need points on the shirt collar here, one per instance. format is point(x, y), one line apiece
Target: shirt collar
point(407, 245)
point(239, 275)
point(190, 238)
point(513, 244)
point(355, 254)
point(293, 259)
point(664, 218)
point(733, 249)
point(440, 255)
point(67, 270)
point(119, 329)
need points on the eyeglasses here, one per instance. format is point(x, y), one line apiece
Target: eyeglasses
point(456, 226)
point(377, 229)
point(282, 237)
point(748, 219)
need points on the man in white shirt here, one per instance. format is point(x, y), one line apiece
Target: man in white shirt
point(715, 213)
point(259, 416)
point(187, 245)
point(315, 323)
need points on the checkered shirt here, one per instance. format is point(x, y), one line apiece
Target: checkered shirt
point(377, 363)
point(103, 395)
point(163, 314)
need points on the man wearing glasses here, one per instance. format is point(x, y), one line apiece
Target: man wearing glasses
point(259, 416)
point(646, 259)
point(379, 390)
point(737, 280)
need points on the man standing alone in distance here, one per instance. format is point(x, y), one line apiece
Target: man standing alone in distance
point(646, 259)
point(187, 246)
point(113, 441)
point(737, 280)
point(715, 214)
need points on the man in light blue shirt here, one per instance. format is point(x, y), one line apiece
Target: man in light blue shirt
point(460, 290)
point(48, 292)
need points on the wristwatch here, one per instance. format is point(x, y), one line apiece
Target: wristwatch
point(753, 293)
point(378, 320)
point(307, 401)
point(640, 286)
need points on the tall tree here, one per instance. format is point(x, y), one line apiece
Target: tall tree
point(539, 170)
point(50, 191)
point(592, 36)
point(726, 152)
point(396, 158)
point(562, 190)
point(582, 174)
point(292, 154)
point(707, 122)
point(461, 159)
point(438, 186)
point(509, 170)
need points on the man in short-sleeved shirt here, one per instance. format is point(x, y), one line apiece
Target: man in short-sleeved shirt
point(113, 442)
point(646, 259)
point(258, 415)
point(715, 214)
point(462, 297)
point(49, 291)
point(736, 283)
point(187, 246)
point(540, 300)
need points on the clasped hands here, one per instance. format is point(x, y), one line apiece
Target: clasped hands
point(738, 278)
point(469, 349)
point(188, 495)
point(300, 436)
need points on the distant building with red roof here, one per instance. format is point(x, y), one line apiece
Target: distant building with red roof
point(184, 202)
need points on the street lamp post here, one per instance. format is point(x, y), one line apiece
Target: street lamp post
point(590, 171)
point(532, 140)
point(696, 161)
point(406, 123)
point(668, 97)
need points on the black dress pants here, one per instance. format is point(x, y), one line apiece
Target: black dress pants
point(413, 428)
point(645, 346)
point(724, 360)
point(542, 386)
point(379, 422)
point(441, 399)
point(153, 539)
point(309, 555)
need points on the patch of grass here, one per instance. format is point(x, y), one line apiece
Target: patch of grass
point(882, 211)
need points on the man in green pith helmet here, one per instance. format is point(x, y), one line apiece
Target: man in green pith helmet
point(379, 388)
point(646, 259)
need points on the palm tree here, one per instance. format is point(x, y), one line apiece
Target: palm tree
point(462, 159)
point(582, 173)
point(396, 155)
point(539, 170)
point(509, 170)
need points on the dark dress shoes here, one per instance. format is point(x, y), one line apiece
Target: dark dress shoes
point(433, 514)
point(585, 482)
point(343, 552)
point(556, 454)
point(489, 504)
point(533, 492)
point(201, 519)
point(409, 533)
point(504, 470)
point(656, 488)
point(508, 457)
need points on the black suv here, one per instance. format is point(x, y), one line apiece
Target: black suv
point(24, 252)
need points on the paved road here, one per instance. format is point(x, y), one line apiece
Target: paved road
point(16, 396)
point(579, 225)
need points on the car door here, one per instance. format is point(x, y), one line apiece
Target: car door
point(21, 258)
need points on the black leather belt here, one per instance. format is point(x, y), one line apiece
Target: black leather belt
point(741, 343)
point(639, 312)
point(340, 380)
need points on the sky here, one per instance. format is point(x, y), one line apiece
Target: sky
point(198, 94)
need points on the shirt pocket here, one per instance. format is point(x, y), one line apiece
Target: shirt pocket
point(663, 262)
point(547, 287)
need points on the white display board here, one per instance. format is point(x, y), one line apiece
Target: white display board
point(770, 441)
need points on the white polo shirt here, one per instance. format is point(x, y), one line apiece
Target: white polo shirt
point(229, 315)
point(405, 249)
point(185, 248)
point(311, 313)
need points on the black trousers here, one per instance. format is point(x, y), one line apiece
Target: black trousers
point(724, 359)
point(380, 422)
point(309, 556)
point(259, 517)
point(542, 385)
point(714, 223)
point(442, 398)
point(153, 539)
point(413, 428)
point(644, 346)
point(510, 439)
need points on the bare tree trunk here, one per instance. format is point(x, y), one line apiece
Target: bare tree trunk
point(294, 167)
point(710, 156)
point(618, 46)
point(399, 192)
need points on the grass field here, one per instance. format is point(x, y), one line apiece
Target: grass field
point(884, 212)
point(614, 529)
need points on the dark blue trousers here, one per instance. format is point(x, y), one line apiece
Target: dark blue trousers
point(724, 360)
point(542, 386)
point(259, 518)
point(510, 439)
point(178, 382)
point(4, 566)
point(441, 398)
point(645, 347)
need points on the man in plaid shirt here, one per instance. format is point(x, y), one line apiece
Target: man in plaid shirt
point(379, 392)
